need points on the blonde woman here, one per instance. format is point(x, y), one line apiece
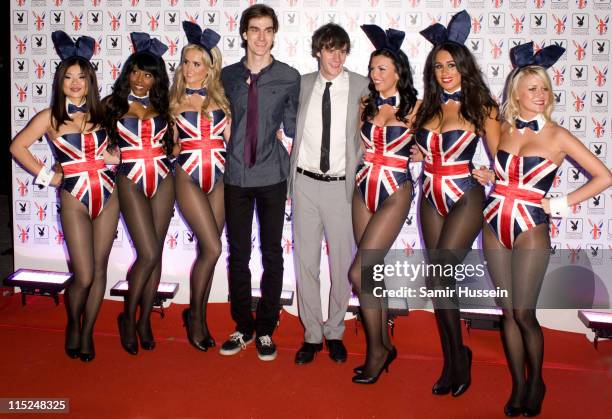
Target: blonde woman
point(515, 234)
point(202, 117)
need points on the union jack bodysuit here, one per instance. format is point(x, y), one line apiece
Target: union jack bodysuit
point(86, 176)
point(202, 153)
point(385, 162)
point(447, 166)
point(143, 158)
point(514, 205)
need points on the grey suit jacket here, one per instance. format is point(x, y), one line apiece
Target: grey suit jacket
point(358, 87)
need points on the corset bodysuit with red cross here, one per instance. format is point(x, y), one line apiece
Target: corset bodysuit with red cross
point(385, 162)
point(514, 205)
point(447, 166)
point(143, 158)
point(202, 153)
point(86, 176)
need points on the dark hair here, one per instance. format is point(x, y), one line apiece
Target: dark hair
point(476, 106)
point(405, 87)
point(330, 36)
point(58, 97)
point(253, 12)
point(117, 103)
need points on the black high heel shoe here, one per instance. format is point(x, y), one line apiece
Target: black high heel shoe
point(440, 389)
point(535, 408)
point(88, 357)
point(461, 388)
point(361, 378)
point(359, 369)
point(513, 411)
point(202, 345)
point(130, 348)
point(147, 345)
point(72, 353)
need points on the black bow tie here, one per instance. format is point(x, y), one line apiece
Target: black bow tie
point(445, 97)
point(201, 91)
point(533, 125)
point(388, 101)
point(144, 101)
point(74, 108)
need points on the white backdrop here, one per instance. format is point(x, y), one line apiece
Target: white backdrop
point(582, 94)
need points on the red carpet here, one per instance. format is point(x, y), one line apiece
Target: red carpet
point(176, 381)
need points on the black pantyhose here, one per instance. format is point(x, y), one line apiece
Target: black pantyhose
point(89, 244)
point(521, 332)
point(205, 216)
point(447, 241)
point(376, 231)
point(147, 221)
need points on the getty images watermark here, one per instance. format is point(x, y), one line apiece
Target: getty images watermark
point(411, 272)
point(564, 279)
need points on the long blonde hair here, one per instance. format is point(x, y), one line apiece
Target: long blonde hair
point(510, 108)
point(214, 89)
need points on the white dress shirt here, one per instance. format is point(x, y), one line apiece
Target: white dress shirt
point(309, 157)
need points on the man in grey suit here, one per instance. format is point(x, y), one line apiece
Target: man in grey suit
point(322, 179)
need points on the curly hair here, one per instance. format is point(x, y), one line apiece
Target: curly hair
point(214, 89)
point(117, 103)
point(476, 106)
point(405, 87)
point(58, 97)
point(511, 108)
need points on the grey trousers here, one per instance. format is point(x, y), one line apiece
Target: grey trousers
point(320, 208)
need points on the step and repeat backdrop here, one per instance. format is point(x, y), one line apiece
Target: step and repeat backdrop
point(580, 79)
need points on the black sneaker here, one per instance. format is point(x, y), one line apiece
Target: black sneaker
point(266, 349)
point(236, 342)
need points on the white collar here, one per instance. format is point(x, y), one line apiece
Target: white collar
point(539, 118)
point(338, 79)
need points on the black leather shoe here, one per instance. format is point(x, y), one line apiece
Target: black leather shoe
point(534, 407)
point(202, 345)
point(307, 352)
point(147, 345)
point(459, 389)
point(71, 352)
point(337, 351)
point(440, 389)
point(130, 347)
point(361, 378)
point(512, 411)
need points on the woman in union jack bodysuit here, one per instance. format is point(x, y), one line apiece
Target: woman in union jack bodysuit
point(202, 115)
point(515, 233)
point(383, 185)
point(139, 123)
point(449, 126)
point(89, 205)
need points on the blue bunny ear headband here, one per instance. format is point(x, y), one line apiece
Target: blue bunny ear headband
point(457, 31)
point(144, 43)
point(522, 55)
point(389, 40)
point(207, 39)
point(67, 48)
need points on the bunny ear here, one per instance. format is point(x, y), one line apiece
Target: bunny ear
point(85, 46)
point(209, 39)
point(459, 27)
point(522, 55)
point(143, 42)
point(549, 55)
point(436, 34)
point(192, 31)
point(376, 35)
point(64, 45)
point(395, 38)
